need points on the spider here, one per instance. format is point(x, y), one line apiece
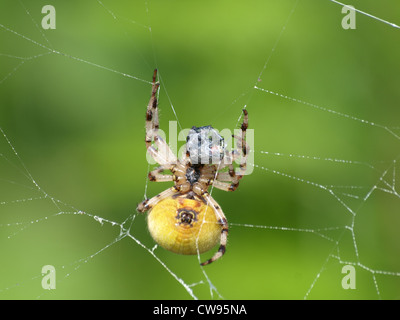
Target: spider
point(185, 219)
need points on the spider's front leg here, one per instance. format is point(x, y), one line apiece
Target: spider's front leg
point(152, 123)
point(162, 154)
point(242, 147)
point(242, 150)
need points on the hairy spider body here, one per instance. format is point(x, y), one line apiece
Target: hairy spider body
point(185, 219)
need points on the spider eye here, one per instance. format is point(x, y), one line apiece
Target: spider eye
point(205, 145)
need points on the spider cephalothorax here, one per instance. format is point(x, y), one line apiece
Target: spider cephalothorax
point(185, 218)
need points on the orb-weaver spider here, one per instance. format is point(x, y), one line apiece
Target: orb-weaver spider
point(186, 219)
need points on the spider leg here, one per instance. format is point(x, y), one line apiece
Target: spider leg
point(242, 152)
point(163, 154)
point(224, 231)
point(228, 176)
point(225, 186)
point(244, 149)
point(242, 146)
point(214, 176)
point(157, 176)
point(224, 176)
point(152, 123)
point(148, 204)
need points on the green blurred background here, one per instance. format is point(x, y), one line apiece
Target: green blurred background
point(78, 127)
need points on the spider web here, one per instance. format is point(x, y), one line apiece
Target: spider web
point(324, 190)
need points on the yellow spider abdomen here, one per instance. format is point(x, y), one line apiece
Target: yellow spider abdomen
point(184, 226)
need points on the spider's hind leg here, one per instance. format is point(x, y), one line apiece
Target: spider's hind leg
point(149, 204)
point(224, 231)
